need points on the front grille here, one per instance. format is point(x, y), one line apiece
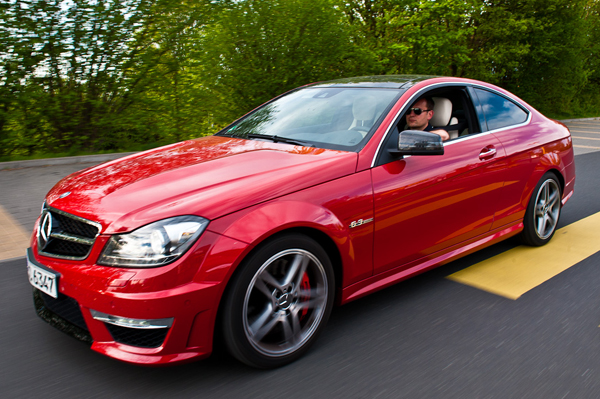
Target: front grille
point(142, 338)
point(62, 313)
point(67, 248)
point(75, 227)
point(65, 236)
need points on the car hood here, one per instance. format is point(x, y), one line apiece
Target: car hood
point(209, 177)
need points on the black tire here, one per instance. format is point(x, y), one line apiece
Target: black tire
point(543, 211)
point(278, 302)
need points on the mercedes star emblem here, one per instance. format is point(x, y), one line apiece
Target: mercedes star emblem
point(45, 229)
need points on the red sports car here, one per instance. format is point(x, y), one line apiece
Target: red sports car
point(320, 196)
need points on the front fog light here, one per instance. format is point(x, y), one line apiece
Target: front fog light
point(155, 244)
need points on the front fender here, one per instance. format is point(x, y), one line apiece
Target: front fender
point(330, 209)
point(259, 224)
point(266, 220)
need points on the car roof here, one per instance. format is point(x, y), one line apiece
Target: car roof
point(382, 81)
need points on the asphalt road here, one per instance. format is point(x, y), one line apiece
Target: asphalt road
point(428, 337)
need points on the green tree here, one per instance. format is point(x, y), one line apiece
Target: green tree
point(546, 51)
point(261, 48)
point(367, 22)
point(588, 100)
point(83, 63)
point(535, 48)
point(106, 74)
point(176, 103)
point(431, 37)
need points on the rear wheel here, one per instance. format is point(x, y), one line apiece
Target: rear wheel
point(279, 302)
point(543, 211)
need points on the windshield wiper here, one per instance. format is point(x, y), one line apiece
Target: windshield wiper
point(278, 139)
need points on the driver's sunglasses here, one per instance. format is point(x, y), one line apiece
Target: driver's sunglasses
point(417, 111)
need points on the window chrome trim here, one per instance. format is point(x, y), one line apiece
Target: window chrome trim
point(466, 137)
point(449, 84)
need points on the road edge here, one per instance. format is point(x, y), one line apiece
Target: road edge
point(62, 161)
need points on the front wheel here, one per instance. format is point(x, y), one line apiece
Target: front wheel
point(279, 302)
point(543, 211)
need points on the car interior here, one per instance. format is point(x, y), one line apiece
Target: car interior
point(453, 111)
point(364, 110)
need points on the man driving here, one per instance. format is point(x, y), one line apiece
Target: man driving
point(419, 115)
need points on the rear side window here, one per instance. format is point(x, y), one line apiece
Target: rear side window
point(499, 111)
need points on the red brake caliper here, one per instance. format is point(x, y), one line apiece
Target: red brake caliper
point(305, 286)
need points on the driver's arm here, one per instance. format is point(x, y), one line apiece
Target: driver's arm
point(442, 133)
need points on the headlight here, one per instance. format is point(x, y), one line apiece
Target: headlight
point(155, 244)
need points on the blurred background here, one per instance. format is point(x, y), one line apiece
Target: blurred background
point(94, 76)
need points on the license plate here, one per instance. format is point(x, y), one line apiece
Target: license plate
point(43, 280)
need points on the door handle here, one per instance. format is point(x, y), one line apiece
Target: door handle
point(487, 153)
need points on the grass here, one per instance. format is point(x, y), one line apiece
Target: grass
point(8, 158)
point(74, 153)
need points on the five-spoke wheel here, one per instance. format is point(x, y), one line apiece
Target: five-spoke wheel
point(278, 302)
point(543, 211)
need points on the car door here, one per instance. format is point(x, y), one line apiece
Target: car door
point(427, 204)
point(510, 122)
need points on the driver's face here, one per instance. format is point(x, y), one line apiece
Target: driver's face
point(419, 122)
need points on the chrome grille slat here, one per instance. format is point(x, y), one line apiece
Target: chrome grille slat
point(73, 238)
point(65, 236)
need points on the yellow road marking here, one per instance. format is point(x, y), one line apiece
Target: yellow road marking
point(585, 146)
point(514, 272)
point(13, 238)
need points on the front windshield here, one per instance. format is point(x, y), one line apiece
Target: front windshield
point(335, 118)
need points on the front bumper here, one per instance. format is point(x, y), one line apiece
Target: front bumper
point(127, 303)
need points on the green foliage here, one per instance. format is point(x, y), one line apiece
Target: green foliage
point(432, 37)
point(261, 48)
point(546, 51)
point(105, 75)
point(534, 48)
point(589, 97)
point(74, 69)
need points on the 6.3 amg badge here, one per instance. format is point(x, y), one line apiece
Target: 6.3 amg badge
point(360, 222)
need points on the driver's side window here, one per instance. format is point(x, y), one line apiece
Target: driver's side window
point(452, 111)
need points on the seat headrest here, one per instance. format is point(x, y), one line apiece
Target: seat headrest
point(363, 108)
point(442, 111)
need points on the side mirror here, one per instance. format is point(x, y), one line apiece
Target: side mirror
point(417, 142)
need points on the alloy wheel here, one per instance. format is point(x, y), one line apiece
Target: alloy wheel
point(285, 302)
point(547, 209)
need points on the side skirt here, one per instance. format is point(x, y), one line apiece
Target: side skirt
point(393, 276)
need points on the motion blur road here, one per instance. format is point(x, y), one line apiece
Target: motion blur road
point(428, 337)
